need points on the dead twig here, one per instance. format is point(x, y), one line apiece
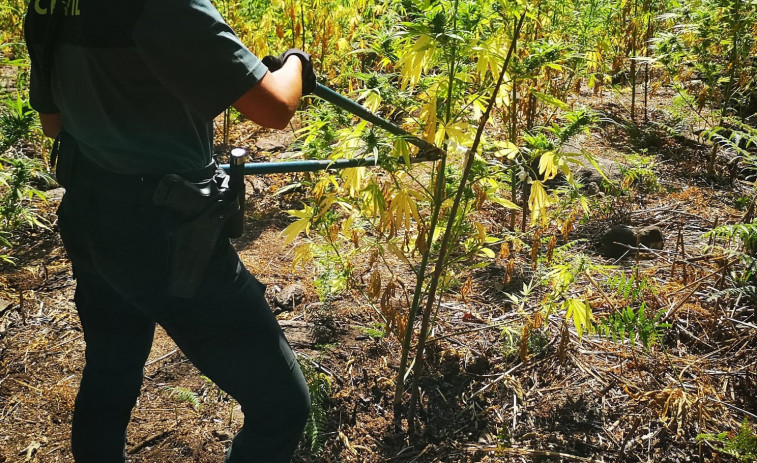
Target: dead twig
point(152, 440)
point(698, 283)
point(162, 357)
point(540, 453)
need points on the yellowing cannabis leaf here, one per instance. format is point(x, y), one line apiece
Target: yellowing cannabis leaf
point(506, 150)
point(353, 179)
point(580, 311)
point(416, 60)
point(428, 118)
point(480, 232)
point(299, 226)
point(460, 133)
point(302, 255)
point(538, 202)
point(547, 165)
point(403, 208)
point(401, 150)
point(372, 100)
point(350, 141)
point(373, 199)
point(550, 100)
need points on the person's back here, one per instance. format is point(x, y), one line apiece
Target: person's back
point(138, 83)
point(131, 89)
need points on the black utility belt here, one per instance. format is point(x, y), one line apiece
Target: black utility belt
point(202, 206)
point(205, 212)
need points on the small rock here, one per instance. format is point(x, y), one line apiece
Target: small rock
point(616, 240)
point(258, 185)
point(592, 189)
point(56, 194)
point(651, 237)
point(314, 306)
point(588, 174)
point(290, 297)
point(477, 364)
point(289, 155)
point(276, 141)
point(222, 435)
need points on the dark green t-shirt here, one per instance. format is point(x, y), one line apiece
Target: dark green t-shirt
point(138, 82)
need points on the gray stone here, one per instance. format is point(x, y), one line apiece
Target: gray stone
point(290, 297)
point(617, 240)
point(56, 194)
point(289, 155)
point(650, 237)
point(588, 174)
point(222, 435)
point(258, 185)
point(275, 141)
point(314, 306)
point(592, 189)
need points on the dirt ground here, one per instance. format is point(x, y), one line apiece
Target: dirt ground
point(570, 398)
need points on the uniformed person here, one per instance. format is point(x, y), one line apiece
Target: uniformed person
point(133, 86)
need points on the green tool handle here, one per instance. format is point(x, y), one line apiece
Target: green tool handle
point(428, 151)
point(312, 165)
point(358, 110)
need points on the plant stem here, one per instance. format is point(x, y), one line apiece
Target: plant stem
point(445, 245)
point(733, 61)
point(438, 198)
point(633, 61)
point(513, 134)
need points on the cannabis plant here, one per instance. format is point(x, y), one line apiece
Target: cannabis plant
point(17, 118)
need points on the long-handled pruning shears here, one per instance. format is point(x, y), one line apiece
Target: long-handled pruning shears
point(428, 152)
point(238, 168)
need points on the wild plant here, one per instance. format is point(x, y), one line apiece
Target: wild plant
point(319, 387)
point(183, 395)
point(737, 137)
point(16, 203)
point(633, 322)
point(708, 53)
point(563, 274)
point(741, 445)
point(737, 242)
point(638, 172)
point(17, 119)
point(634, 325)
point(11, 20)
point(452, 64)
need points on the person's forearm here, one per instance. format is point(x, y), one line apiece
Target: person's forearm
point(273, 101)
point(50, 124)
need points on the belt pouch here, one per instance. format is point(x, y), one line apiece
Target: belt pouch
point(192, 246)
point(63, 158)
point(200, 212)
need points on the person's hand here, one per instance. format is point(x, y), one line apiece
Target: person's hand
point(274, 63)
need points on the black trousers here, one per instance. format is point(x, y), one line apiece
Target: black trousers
point(118, 244)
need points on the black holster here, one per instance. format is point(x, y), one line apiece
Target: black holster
point(63, 158)
point(201, 212)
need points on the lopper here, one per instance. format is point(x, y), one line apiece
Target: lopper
point(428, 152)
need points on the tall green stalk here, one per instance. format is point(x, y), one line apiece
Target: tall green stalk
point(448, 232)
point(634, 34)
point(513, 132)
point(438, 199)
point(733, 61)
